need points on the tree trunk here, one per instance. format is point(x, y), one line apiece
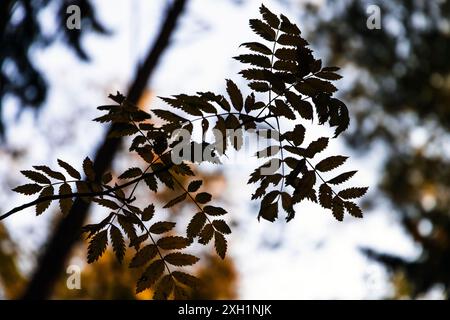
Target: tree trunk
point(67, 233)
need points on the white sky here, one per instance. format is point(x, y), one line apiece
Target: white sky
point(313, 256)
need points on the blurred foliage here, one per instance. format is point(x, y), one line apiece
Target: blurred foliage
point(401, 96)
point(22, 32)
point(11, 279)
point(107, 279)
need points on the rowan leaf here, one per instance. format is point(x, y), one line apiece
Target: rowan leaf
point(220, 243)
point(262, 29)
point(88, 168)
point(65, 203)
point(206, 234)
point(173, 242)
point(97, 246)
point(203, 197)
point(35, 176)
point(325, 196)
point(51, 173)
point(222, 226)
point(194, 185)
point(235, 95)
point(257, 47)
point(164, 288)
point(69, 169)
point(144, 255)
point(131, 173)
point(330, 163)
point(196, 224)
point(338, 209)
point(161, 227)
point(176, 200)
point(316, 146)
point(148, 212)
point(28, 189)
point(342, 177)
point(214, 211)
point(353, 209)
point(181, 259)
point(352, 193)
point(186, 279)
point(118, 243)
point(42, 206)
point(153, 272)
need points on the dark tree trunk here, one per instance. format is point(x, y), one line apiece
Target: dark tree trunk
point(67, 233)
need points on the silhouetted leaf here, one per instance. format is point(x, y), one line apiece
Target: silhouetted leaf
point(338, 209)
point(286, 54)
point(222, 226)
point(235, 95)
point(164, 288)
point(291, 40)
point(42, 206)
point(162, 227)
point(297, 135)
point(35, 176)
point(220, 243)
point(194, 185)
point(118, 242)
point(181, 259)
point(328, 75)
point(342, 177)
point(146, 153)
point(143, 256)
point(69, 169)
point(304, 108)
point(150, 276)
point(282, 109)
point(214, 211)
point(330, 163)
point(352, 193)
point(325, 196)
point(148, 212)
point(151, 182)
point(254, 59)
point(66, 203)
point(262, 29)
point(203, 197)
point(288, 27)
point(28, 189)
point(176, 200)
point(315, 147)
point(186, 279)
point(269, 17)
point(51, 173)
point(88, 168)
point(195, 225)
point(173, 242)
point(259, 86)
point(106, 203)
point(257, 47)
point(353, 209)
point(206, 234)
point(97, 246)
point(131, 173)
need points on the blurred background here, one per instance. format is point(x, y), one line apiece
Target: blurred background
point(396, 85)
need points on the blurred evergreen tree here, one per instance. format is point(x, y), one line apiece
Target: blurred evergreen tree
point(401, 96)
point(21, 32)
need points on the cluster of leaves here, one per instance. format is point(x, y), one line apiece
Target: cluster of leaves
point(298, 87)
